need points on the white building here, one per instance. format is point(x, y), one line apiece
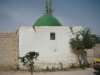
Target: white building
point(50, 39)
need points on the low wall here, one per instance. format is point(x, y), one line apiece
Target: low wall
point(8, 51)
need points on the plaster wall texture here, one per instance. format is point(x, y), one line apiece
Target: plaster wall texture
point(52, 53)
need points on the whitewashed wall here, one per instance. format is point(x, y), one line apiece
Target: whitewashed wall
point(51, 52)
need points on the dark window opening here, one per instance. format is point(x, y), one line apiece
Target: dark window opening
point(52, 36)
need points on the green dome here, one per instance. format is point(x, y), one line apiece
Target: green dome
point(47, 20)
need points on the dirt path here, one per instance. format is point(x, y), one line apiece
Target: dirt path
point(78, 72)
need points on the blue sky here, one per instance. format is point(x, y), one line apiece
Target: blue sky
point(16, 13)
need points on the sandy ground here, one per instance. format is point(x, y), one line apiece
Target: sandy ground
point(89, 71)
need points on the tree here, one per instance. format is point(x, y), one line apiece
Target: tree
point(28, 60)
point(88, 39)
point(77, 46)
point(84, 40)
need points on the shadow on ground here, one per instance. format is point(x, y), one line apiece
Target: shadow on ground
point(97, 72)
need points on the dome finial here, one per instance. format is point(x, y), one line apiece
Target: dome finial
point(49, 8)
